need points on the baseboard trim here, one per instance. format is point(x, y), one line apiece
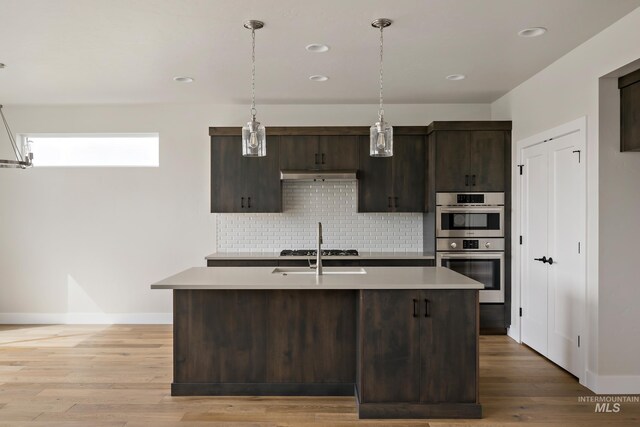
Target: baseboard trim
point(613, 384)
point(85, 318)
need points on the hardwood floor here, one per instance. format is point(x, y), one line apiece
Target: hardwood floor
point(69, 375)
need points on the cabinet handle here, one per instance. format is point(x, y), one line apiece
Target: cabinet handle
point(242, 202)
point(395, 199)
point(466, 180)
point(389, 205)
point(415, 308)
point(473, 180)
point(316, 156)
point(249, 202)
point(427, 308)
point(323, 158)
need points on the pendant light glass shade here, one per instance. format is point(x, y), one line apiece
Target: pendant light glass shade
point(254, 140)
point(381, 134)
point(254, 136)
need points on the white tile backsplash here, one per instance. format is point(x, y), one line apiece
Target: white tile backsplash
point(332, 203)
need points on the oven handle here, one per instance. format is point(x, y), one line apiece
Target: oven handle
point(471, 209)
point(492, 255)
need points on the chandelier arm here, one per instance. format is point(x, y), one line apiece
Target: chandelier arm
point(16, 151)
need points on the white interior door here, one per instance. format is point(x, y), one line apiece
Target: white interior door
point(534, 290)
point(566, 289)
point(552, 226)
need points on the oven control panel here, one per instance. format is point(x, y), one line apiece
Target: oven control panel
point(466, 199)
point(471, 245)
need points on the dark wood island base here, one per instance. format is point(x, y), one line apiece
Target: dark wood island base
point(403, 353)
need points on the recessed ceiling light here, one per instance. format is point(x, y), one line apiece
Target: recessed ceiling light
point(456, 77)
point(532, 32)
point(318, 78)
point(317, 48)
point(183, 79)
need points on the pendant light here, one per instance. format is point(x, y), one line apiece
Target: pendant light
point(254, 141)
point(24, 158)
point(381, 133)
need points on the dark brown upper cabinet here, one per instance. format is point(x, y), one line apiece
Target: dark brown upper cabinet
point(304, 152)
point(244, 184)
point(393, 184)
point(629, 86)
point(433, 356)
point(470, 159)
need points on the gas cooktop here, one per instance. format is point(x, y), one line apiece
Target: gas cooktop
point(313, 252)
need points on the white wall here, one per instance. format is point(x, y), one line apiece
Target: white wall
point(566, 90)
point(84, 244)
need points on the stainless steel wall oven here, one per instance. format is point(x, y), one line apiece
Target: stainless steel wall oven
point(470, 239)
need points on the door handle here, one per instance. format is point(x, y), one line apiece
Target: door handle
point(316, 159)
point(543, 259)
point(427, 308)
point(550, 261)
point(249, 202)
point(466, 180)
point(389, 205)
point(395, 199)
point(242, 202)
point(415, 308)
point(322, 158)
point(473, 180)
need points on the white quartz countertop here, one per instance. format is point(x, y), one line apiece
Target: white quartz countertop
point(256, 278)
point(276, 255)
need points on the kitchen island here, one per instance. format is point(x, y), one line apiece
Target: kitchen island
point(403, 340)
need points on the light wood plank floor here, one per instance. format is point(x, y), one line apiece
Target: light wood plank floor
point(66, 375)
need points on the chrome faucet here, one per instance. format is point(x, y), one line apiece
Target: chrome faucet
point(319, 250)
point(318, 264)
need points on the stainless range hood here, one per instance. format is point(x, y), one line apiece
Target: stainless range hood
point(318, 175)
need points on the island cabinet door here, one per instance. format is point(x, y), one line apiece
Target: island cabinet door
point(389, 353)
point(448, 346)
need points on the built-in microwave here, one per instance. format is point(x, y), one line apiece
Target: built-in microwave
point(470, 215)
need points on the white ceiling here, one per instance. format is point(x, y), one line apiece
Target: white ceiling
point(128, 51)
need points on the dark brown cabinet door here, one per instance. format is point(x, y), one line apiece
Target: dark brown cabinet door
point(470, 160)
point(393, 184)
point(318, 152)
point(629, 86)
point(209, 337)
point(448, 345)
point(389, 357)
point(486, 161)
point(244, 184)
point(227, 178)
point(263, 187)
point(338, 152)
point(299, 152)
point(452, 161)
point(408, 173)
point(375, 181)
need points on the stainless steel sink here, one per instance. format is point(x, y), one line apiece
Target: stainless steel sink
point(325, 271)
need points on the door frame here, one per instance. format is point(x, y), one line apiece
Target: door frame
point(578, 126)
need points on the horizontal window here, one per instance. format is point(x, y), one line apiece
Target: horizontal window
point(137, 149)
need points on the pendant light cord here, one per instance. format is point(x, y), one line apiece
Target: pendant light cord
point(253, 73)
point(381, 109)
